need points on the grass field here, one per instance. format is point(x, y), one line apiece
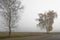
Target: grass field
point(24, 34)
point(13, 35)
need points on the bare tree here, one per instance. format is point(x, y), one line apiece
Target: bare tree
point(46, 20)
point(9, 10)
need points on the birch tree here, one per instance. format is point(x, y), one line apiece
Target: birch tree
point(46, 20)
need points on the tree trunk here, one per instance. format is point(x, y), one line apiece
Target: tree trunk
point(47, 30)
point(9, 31)
point(9, 22)
point(10, 26)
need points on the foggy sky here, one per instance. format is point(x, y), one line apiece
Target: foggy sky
point(32, 8)
point(28, 21)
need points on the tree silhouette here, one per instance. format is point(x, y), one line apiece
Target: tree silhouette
point(10, 12)
point(46, 20)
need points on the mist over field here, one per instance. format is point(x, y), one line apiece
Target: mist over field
point(32, 8)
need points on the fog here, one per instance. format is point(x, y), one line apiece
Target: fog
point(32, 8)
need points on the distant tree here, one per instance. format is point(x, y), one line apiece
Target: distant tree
point(51, 15)
point(9, 10)
point(46, 20)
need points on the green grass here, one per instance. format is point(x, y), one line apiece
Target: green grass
point(20, 35)
point(14, 35)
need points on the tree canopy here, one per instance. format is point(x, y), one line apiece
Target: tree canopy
point(46, 20)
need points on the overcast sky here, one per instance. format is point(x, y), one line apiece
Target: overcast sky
point(28, 21)
point(32, 8)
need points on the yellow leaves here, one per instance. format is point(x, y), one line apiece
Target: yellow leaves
point(50, 28)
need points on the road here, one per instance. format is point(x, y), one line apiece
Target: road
point(46, 37)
